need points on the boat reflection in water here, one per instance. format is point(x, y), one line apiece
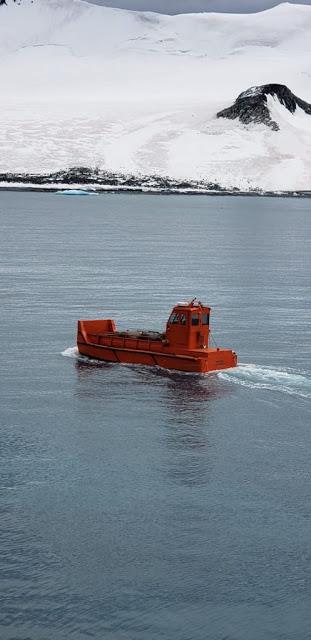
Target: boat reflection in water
point(174, 408)
point(188, 400)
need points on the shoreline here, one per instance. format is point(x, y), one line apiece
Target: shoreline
point(99, 181)
point(56, 189)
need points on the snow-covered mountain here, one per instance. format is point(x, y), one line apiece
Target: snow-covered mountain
point(84, 85)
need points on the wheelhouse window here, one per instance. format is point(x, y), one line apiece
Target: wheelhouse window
point(195, 319)
point(178, 318)
point(174, 318)
point(205, 318)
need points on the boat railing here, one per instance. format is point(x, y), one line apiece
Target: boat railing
point(126, 340)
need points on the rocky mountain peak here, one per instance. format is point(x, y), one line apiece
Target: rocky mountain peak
point(251, 106)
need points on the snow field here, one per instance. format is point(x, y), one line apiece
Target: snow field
point(139, 92)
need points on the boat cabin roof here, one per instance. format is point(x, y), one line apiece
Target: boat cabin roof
point(194, 306)
point(193, 313)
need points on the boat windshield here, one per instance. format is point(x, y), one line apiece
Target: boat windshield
point(174, 318)
point(178, 318)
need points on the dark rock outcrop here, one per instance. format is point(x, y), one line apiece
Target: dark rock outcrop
point(15, 1)
point(105, 180)
point(251, 106)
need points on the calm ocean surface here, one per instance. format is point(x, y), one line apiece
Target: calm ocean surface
point(136, 503)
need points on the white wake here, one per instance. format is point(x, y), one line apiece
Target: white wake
point(253, 376)
point(288, 381)
point(71, 352)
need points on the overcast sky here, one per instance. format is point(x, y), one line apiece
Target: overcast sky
point(186, 6)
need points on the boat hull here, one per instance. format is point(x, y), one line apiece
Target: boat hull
point(209, 360)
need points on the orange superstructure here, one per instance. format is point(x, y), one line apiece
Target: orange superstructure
point(183, 346)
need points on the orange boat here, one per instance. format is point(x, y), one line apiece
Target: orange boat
point(183, 346)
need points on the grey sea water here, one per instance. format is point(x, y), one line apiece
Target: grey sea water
point(137, 503)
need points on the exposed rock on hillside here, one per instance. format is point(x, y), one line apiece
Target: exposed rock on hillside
point(2, 2)
point(251, 106)
point(96, 180)
point(7, 1)
point(105, 180)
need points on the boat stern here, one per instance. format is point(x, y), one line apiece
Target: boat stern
point(218, 359)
